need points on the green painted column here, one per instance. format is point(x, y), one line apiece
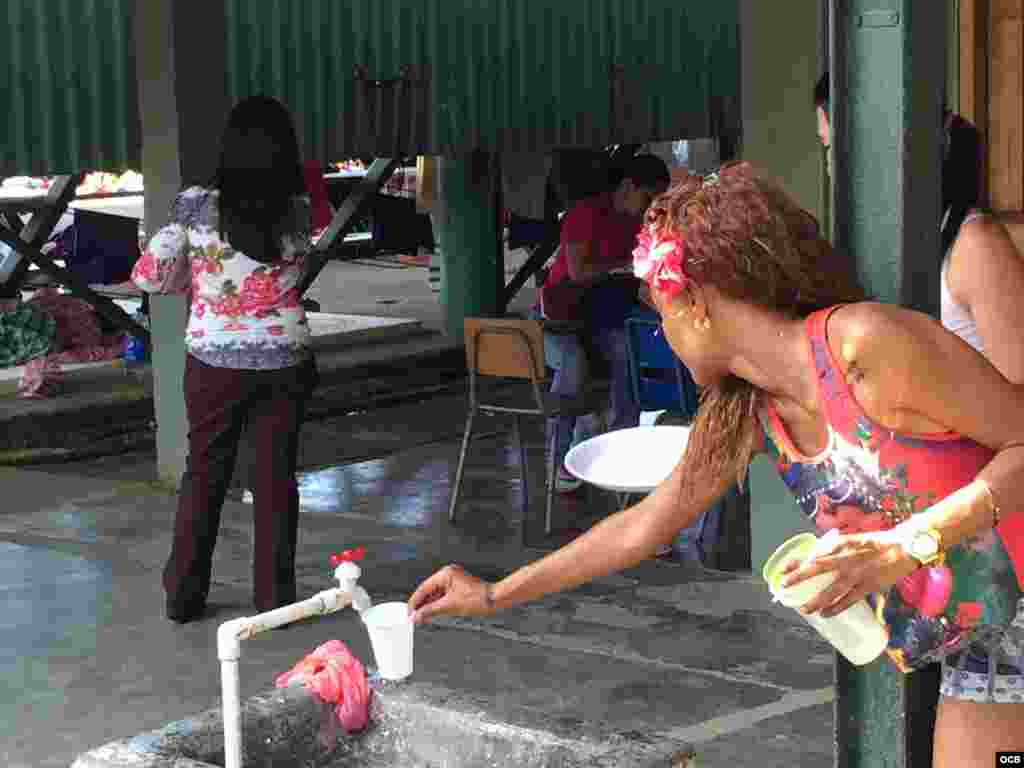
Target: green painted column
point(888, 89)
point(182, 105)
point(470, 231)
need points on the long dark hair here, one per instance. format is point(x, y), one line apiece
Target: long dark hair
point(259, 175)
point(961, 176)
point(746, 237)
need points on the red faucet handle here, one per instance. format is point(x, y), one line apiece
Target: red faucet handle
point(348, 556)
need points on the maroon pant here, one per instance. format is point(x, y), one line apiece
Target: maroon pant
point(220, 402)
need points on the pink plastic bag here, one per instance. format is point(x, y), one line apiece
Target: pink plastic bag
point(337, 677)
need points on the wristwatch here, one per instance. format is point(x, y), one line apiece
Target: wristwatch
point(924, 545)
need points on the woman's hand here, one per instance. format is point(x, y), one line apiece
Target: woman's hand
point(863, 564)
point(450, 592)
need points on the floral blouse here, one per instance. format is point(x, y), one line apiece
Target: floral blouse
point(244, 314)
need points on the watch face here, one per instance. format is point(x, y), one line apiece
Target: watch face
point(924, 545)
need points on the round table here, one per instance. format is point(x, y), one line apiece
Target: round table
point(629, 461)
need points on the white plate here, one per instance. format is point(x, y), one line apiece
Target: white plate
point(633, 460)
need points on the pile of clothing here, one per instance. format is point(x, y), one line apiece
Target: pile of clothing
point(48, 331)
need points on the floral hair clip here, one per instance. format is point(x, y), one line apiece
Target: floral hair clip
point(661, 262)
point(711, 180)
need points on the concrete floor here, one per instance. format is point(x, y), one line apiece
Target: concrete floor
point(661, 652)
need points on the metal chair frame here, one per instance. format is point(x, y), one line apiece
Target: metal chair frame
point(546, 407)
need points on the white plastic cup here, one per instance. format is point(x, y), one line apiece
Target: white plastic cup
point(391, 631)
point(856, 632)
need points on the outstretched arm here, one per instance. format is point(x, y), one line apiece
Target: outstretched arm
point(621, 541)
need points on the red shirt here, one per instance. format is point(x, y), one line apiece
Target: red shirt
point(611, 234)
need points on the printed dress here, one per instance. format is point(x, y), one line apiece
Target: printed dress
point(870, 478)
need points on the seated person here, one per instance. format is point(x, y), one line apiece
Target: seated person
point(597, 238)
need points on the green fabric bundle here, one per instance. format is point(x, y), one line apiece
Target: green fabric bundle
point(26, 332)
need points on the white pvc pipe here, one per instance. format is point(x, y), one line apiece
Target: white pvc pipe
point(232, 713)
point(231, 633)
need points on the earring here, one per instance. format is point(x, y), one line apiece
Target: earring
point(696, 325)
point(706, 324)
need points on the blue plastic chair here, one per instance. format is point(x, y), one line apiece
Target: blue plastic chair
point(660, 382)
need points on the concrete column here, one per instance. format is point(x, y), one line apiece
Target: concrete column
point(780, 64)
point(472, 252)
point(887, 96)
point(182, 100)
point(779, 67)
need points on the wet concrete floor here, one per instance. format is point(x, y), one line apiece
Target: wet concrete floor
point(664, 651)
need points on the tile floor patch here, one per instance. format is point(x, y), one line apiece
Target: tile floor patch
point(720, 600)
point(739, 721)
point(612, 615)
point(598, 648)
point(615, 580)
point(327, 323)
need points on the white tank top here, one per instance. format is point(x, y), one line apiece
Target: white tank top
point(956, 318)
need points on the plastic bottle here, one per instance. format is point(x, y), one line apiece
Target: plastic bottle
point(9, 259)
point(135, 352)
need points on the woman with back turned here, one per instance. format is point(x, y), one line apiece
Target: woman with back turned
point(244, 239)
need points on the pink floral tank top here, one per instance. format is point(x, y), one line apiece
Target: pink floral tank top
point(870, 478)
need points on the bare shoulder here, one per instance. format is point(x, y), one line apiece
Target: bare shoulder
point(978, 238)
point(983, 228)
point(869, 329)
point(984, 252)
point(882, 350)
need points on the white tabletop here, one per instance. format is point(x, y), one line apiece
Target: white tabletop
point(21, 193)
point(358, 174)
point(633, 460)
point(131, 207)
point(345, 175)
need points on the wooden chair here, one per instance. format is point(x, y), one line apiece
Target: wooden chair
point(514, 349)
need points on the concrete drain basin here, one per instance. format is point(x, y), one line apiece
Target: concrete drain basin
point(414, 725)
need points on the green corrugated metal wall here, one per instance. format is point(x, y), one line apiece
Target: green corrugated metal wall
point(67, 86)
point(516, 74)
